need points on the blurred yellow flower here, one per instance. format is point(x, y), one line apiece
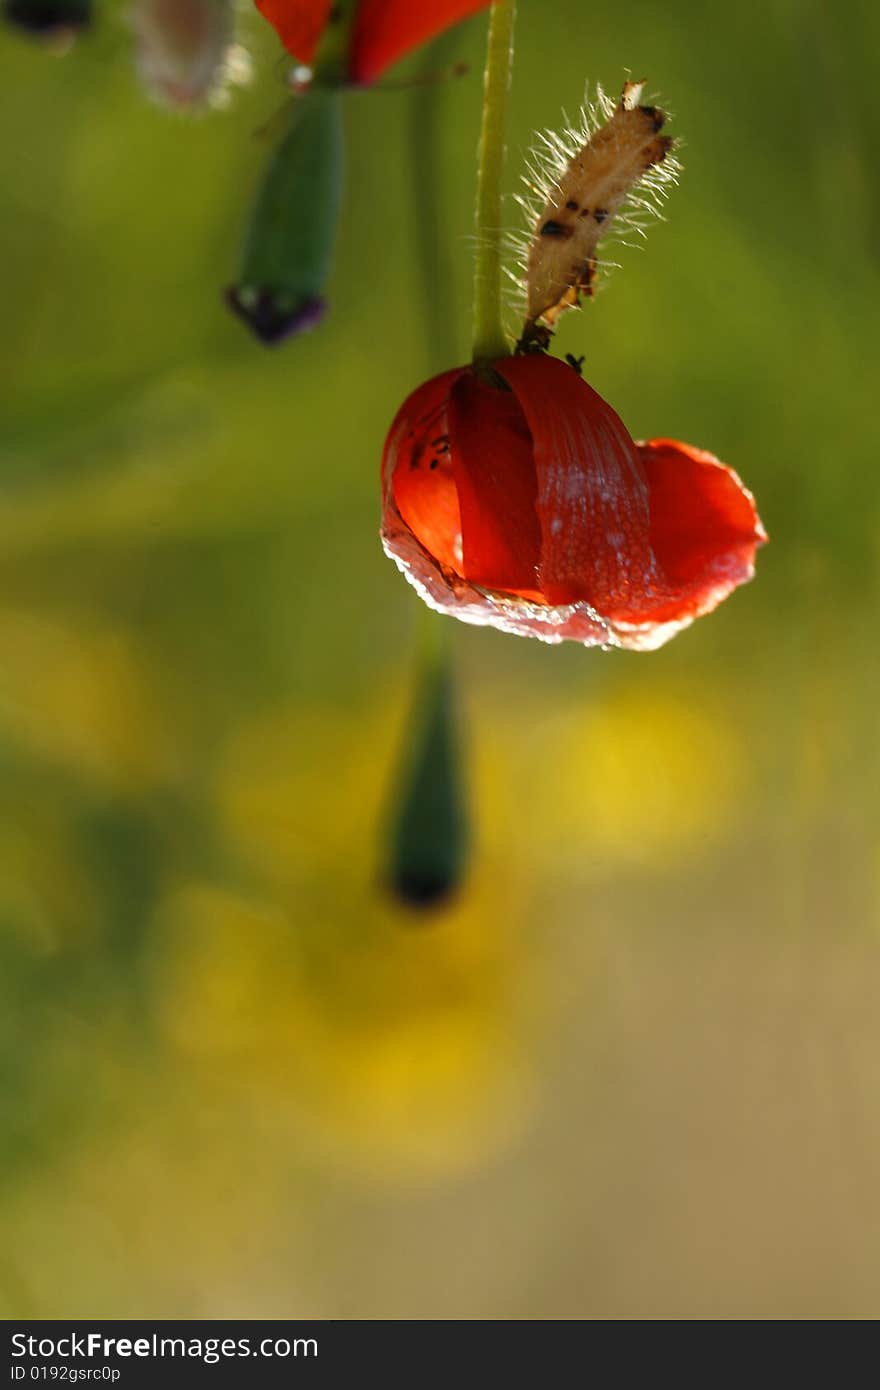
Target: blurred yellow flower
point(78, 693)
point(305, 787)
point(636, 775)
point(48, 899)
point(391, 1049)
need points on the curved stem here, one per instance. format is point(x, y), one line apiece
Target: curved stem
point(490, 340)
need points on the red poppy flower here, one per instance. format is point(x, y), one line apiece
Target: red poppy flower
point(532, 509)
point(384, 30)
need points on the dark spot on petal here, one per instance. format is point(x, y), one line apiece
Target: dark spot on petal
point(555, 229)
point(434, 463)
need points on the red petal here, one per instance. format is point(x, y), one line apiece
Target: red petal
point(387, 29)
point(417, 470)
point(494, 473)
point(704, 526)
point(592, 496)
point(299, 23)
point(631, 542)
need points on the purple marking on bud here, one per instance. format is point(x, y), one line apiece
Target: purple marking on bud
point(270, 315)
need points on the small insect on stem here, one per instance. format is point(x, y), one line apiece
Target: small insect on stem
point(593, 173)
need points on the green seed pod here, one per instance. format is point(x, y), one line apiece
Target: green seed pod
point(289, 243)
point(429, 830)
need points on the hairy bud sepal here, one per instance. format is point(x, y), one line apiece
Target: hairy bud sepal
point(609, 171)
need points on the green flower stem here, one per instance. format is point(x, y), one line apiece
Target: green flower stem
point(331, 64)
point(490, 340)
point(436, 253)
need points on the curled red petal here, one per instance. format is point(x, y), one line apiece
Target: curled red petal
point(494, 471)
point(387, 29)
point(421, 525)
point(417, 471)
point(704, 529)
point(592, 496)
point(298, 23)
point(542, 517)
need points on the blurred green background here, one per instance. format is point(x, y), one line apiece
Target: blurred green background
point(634, 1071)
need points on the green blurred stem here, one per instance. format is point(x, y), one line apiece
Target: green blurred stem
point(436, 253)
point(490, 340)
point(331, 66)
point(429, 833)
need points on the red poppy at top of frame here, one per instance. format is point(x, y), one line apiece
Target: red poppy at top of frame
point(384, 30)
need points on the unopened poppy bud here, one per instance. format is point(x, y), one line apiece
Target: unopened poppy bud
point(184, 49)
point(289, 244)
point(51, 18)
point(587, 178)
